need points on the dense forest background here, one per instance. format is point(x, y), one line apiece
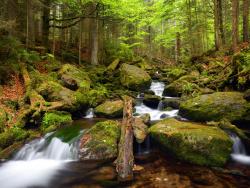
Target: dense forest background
point(99, 31)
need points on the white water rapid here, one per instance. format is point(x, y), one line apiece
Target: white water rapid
point(155, 114)
point(90, 113)
point(239, 151)
point(37, 163)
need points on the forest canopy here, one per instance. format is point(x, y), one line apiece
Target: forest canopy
point(99, 31)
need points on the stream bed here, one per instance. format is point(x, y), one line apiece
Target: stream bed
point(52, 161)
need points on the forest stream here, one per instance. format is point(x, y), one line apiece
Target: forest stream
point(52, 161)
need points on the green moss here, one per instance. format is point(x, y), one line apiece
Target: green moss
point(174, 73)
point(192, 142)
point(111, 109)
point(134, 78)
point(53, 120)
point(12, 135)
point(216, 106)
point(3, 119)
point(100, 142)
point(71, 75)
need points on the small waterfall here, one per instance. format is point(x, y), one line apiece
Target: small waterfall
point(37, 162)
point(90, 113)
point(239, 153)
point(40, 149)
point(144, 148)
point(157, 88)
point(155, 114)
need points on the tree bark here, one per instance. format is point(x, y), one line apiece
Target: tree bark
point(178, 47)
point(125, 160)
point(46, 15)
point(245, 20)
point(95, 38)
point(218, 25)
point(235, 23)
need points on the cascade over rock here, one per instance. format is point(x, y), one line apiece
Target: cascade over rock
point(193, 142)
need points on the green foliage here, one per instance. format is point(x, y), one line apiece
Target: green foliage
point(12, 135)
point(54, 120)
point(28, 56)
point(9, 47)
point(120, 51)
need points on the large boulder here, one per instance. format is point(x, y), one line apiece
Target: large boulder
point(151, 101)
point(170, 102)
point(193, 142)
point(54, 92)
point(73, 77)
point(110, 109)
point(216, 106)
point(134, 78)
point(181, 86)
point(100, 142)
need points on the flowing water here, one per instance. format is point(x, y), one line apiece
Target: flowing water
point(90, 114)
point(155, 114)
point(37, 162)
point(239, 153)
point(52, 161)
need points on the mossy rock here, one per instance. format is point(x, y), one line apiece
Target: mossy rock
point(3, 119)
point(74, 77)
point(134, 78)
point(172, 74)
point(174, 103)
point(193, 142)
point(216, 106)
point(72, 100)
point(180, 87)
point(110, 109)
point(53, 120)
point(100, 142)
point(247, 95)
point(113, 65)
point(12, 135)
point(151, 101)
point(140, 129)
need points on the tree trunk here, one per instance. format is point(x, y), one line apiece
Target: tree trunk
point(218, 24)
point(125, 160)
point(178, 47)
point(94, 51)
point(235, 23)
point(80, 43)
point(245, 20)
point(46, 15)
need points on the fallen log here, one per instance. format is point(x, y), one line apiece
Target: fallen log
point(125, 160)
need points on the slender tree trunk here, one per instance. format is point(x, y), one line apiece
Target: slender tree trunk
point(27, 23)
point(125, 160)
point(54, 39)
point(218, 24)
point(80, 42)
point(178, 47)
point(46, 15)
point(95, 39)
point(245, 20)
point(235, 23)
